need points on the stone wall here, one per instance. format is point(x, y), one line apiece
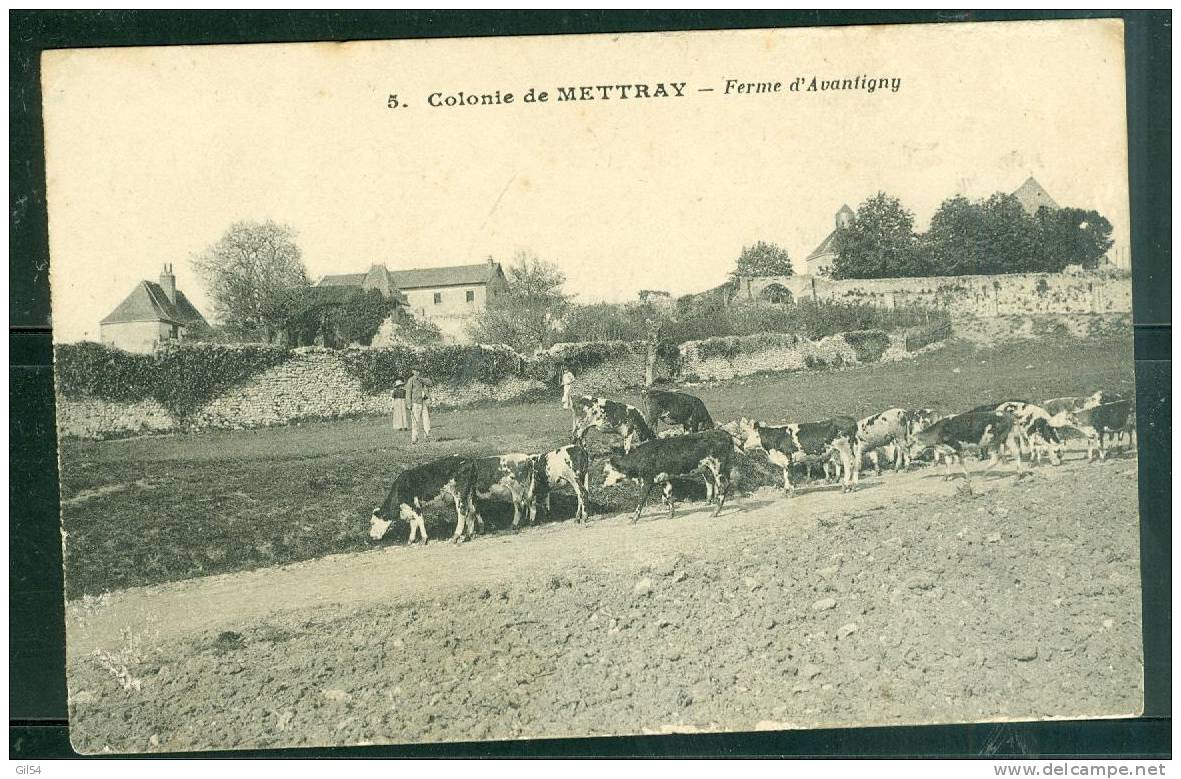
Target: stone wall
point(1099, 292)
point(314, 384)
point(94, 418)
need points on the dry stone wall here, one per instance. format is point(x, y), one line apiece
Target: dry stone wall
point(314, 384)
point(94, 418)
point(1099, 292)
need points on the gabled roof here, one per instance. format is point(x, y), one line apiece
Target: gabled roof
point(1033, 196)
point(149, 303)
point(337, 294)
point(418, 278)
point(826, 247)
point(342, 280)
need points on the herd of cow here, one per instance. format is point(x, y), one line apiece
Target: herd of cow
point(840, 446)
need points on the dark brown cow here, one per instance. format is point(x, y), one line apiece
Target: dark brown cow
point(657, 462)
point(677, 408)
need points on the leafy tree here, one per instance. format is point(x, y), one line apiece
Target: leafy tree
point(526, 317)
point(952, 242)
point(250, 274)
point(763, 259)
point(408, 329)
point(335, 316)
point(1071, 236)
point(878, 243)
point(1007, 239)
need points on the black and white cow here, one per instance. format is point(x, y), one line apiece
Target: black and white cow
point(453, 475)
point(1110, 417)
point(508, 477)
point(677, 408)
point(611, 416)
point(888, 430)
point(1036, 423)
point(1055, 406)
point(786, 444)
point(990, 431)
point(570, 464)
point(658, 461)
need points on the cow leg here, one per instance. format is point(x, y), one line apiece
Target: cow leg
point(645, 490)
point(850, 467)
point(580, 515)
point(516, 511)
point(707, 477)
point(462, 518)
point(723, 487)
point(666, 494)
point(964, 467)
point(787, 485)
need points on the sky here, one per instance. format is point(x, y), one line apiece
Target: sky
point(152, 153)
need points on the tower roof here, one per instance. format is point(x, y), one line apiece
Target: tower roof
point(1033, 196)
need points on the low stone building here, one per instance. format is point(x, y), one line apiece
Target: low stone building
point(152, 314)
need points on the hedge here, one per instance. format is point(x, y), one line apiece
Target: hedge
point(377, 369)
point(182, 377)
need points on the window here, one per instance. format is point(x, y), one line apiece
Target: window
point(470, 296)
point(438, 298)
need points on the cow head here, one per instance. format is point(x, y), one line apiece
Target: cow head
point(611, 473)
point(922, 418)
point(748, 434)
point(923, 439)
point(378, 526)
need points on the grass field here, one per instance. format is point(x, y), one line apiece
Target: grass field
point(149, 510)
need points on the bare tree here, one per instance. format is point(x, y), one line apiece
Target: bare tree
point(252, 274)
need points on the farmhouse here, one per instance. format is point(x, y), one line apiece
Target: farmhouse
point(152, 314)
point(448, 296)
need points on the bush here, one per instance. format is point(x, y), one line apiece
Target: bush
point(580, 357)
point(730, 347)
point(869, 345)
point(922, 335)
point(377, 369)
point(182, 377)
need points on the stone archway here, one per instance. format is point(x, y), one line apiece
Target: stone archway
point(776, 293)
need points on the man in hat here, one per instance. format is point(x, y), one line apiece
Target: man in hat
point(416, 393)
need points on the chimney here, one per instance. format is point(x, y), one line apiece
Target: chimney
point(491, 262)
point(168, 282)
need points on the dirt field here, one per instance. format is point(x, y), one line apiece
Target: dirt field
point(906, 602)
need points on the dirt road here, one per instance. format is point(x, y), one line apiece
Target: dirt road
point(907, 601)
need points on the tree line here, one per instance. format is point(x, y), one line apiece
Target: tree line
point(967, 237)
